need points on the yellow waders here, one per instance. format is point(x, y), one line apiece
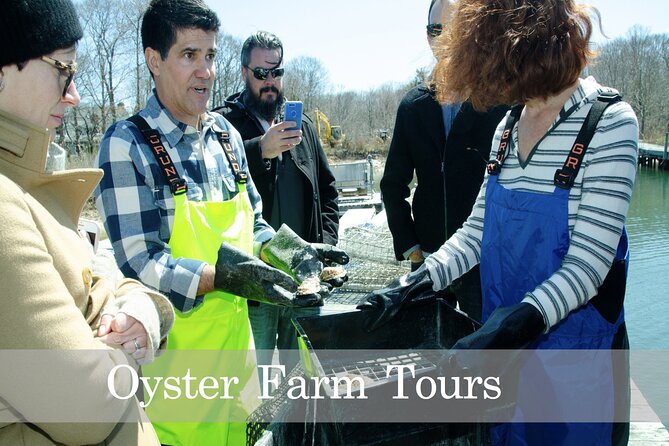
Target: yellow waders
point(220, 324)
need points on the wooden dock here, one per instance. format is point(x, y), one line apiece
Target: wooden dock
point(652, 154)
point(647, 433)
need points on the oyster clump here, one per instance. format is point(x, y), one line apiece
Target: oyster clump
point(310, 285)
point(332, 272)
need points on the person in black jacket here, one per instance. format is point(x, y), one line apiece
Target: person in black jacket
point(447, 148)
point(290, 171)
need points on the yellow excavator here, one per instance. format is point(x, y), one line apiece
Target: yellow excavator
point(328, 134)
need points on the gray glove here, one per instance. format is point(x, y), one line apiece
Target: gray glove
point(246, 276)
point(304, 261)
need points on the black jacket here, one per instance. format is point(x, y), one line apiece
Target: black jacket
point(321, 195)
point(456, 166)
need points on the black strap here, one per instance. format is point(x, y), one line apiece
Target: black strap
point(566, 176)
point(178, 185)
point(224, 140)
point(495, 166)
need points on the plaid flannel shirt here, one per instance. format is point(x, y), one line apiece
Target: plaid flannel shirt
point(137, 206)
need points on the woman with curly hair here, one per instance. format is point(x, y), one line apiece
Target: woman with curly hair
point(548, 225)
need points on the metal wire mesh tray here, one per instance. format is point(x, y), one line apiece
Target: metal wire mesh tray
point(365, 276)
point(372, 264)
point(328, 343)
point(345, 296)
point(363, 243)
point(376, 371)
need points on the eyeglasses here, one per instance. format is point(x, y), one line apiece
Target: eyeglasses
point(434, 29)
point(68, 69)
point(261, 73)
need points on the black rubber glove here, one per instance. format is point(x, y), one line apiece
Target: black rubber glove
point(508, 328)
point(511, 328)
point(247, 276)
point(385, 303)
point(331, 255)
point(304, 261)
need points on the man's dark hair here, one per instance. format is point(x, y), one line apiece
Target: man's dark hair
point(264, 40)
point(164, 18)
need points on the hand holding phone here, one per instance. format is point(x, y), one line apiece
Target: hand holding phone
point(293, 112)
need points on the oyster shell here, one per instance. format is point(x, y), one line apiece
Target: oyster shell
point(332, 272)
point(310, 285)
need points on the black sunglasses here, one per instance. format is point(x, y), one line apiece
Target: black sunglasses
point(67, 68)
point(435, 29)
point(261, 73)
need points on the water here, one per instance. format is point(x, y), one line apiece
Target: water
point(647, 299)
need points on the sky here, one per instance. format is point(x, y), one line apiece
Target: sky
point(364, 44)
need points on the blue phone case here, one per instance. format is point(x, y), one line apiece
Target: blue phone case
point(293, 112)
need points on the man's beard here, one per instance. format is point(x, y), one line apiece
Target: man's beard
point(266, 109)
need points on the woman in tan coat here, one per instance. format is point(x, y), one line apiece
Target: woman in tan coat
point(69, 338)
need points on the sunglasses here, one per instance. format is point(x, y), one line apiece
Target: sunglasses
point(434, 29)
point(262, 73)
point(68, 69)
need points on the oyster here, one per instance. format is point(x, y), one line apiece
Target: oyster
point(332, 272)
point(310, 285)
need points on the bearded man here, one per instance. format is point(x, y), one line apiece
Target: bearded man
point(291, 173)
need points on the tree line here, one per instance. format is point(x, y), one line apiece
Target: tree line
point(638, 66)
point(113, 81)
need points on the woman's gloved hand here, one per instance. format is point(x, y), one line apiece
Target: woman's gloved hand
point(508, 328)
point(247, 276)
point(512, 328)
point(305, 262)
point(385, 303)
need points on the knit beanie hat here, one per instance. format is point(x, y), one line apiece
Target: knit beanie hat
point(34, 28)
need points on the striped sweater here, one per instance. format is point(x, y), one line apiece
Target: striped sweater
point(598, 202)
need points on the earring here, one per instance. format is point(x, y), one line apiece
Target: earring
point(2, 84)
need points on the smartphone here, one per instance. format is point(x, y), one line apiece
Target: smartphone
point(91, 231)
point(293, 112)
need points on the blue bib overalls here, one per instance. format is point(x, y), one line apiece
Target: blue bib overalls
point(525, 239)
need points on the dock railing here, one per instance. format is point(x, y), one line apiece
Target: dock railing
point(650, 154)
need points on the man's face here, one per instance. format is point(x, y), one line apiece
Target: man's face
point(440, 13)
point(185, 78)
point(266, 96)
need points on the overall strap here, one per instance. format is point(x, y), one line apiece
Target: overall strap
point(178, 185)
point(495, 166)
point(565, 177)
point(224, 140)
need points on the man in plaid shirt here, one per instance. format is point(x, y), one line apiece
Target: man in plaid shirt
point(138, 206)
point(184, 216)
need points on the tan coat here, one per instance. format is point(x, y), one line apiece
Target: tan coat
point(50, 301)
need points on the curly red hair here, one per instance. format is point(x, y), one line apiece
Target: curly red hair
point(509, 51)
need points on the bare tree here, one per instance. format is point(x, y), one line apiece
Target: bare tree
point(339, 108)
point(133, 11)
point(638, 66)
point(228, 68)
point(306, 79)
point(107, 37)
